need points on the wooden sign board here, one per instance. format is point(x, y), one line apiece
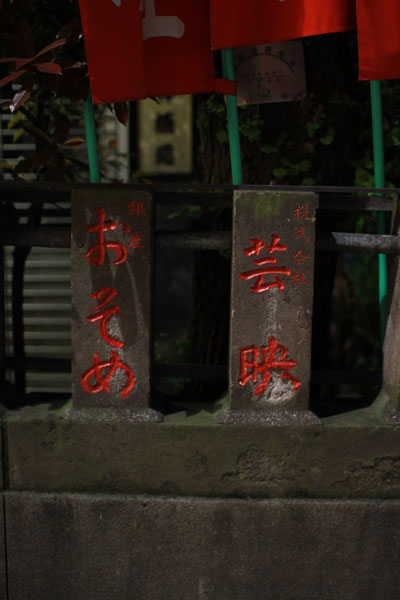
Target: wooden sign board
point(112, 248)
point(271, 307)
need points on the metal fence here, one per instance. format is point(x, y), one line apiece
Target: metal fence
point(37, 216)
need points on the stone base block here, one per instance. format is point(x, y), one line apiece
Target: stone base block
point(268, 417)
point(112, 415)
point(3, 575)
point(73, 547)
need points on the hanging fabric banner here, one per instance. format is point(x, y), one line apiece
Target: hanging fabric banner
point(235, 23)
point(378, 25)
point(145, 48)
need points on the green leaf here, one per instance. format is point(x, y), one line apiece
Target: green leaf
point(280, 172)
point(222, 135)
point(267, 149)
point(18, 134)
point(327, 139)
point(395, 135)
point(253, 132)
point(302, 166)
point(312, 129)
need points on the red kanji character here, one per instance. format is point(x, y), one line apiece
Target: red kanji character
point(301, 212)
point(255, 248)
point(126, 228)
point(97, 253)
point(260, 285)
point(275, 246)
point(300, 234)
point(135, 240)
point(298, 278)
point(102, 382)
point(273, 356)
point(137, 209)
point(300, 257)
point(104, 315)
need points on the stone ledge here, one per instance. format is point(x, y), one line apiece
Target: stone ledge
point(48, 453)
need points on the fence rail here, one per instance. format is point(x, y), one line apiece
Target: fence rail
point(52, 236)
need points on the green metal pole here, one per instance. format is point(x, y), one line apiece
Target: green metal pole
point(379, 173)
point(91, 141)
point(233, 121)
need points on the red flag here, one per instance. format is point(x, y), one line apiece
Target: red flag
point(378, 26)
point(237, 23)
point(138, 49)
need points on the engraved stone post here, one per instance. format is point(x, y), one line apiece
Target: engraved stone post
point(271, 308)
point(111, 302)
point(387, 405)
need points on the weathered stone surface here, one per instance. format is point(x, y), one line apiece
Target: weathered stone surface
point(391, 363)
point(387, 405)
point(146, 548)
point(2, 457)
point(111, 298)
point(271, 302)
point(3, 576)
point(342, 460)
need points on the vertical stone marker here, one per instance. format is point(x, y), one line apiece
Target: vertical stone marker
point(271, 308)
point(387, 404)
point(112, 249)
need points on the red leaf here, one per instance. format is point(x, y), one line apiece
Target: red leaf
point(19, 99)
point(5, 60)
point(51, 46)
point(49, 67)
point(21, 96)
point(21, 62)
point(70, 64)
point(72, 31)
point(11, 77)
point(75, 141)
point(122, 112)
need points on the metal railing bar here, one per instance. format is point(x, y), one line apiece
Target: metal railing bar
point(366, 243)
point(41, 364)
point(59, 237)
point(204, 240)
point(177, 193)
point(45, 236)
point(195, 371)
point(355, 203)
point(328, 202)
point(190, 187)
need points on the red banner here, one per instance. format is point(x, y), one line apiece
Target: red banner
point(378, 25)
point(145, 48)
point(236, 23)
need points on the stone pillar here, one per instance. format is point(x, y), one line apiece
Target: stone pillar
point(271, 308)
point(387, 405)
point(112, 249)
